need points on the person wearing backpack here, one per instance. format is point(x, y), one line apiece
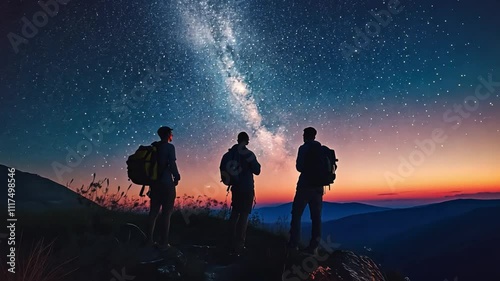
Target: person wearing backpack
point(309, 191)
point(162, 191)
point(244, 165)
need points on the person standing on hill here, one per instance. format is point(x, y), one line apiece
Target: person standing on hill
point(307, 193)
point(163, 191)
point(242, 192)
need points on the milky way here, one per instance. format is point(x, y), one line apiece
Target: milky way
point(215, 30)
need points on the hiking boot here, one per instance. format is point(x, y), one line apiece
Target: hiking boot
point(163, 247)
point(312, 251)
point(291, 250)
point(291, 247)
point(237, 250)
point(148, 244)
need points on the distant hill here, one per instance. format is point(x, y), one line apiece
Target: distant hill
point(371, 228)
point(465, 246)
point(36, 193)
point(331, 211)
point(458, 238)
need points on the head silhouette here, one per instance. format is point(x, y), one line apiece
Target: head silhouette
point(165, 133)
point(309, 133)
point(243, 138)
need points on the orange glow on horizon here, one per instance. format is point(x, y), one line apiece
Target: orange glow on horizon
point(466, 162)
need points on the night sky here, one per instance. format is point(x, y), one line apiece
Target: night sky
point(409, 103)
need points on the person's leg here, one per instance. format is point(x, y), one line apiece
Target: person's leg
point(241, 228)
point(234, 218)
point(315, 207)
point(154, 210)
point(298, 206)
point(167, 210)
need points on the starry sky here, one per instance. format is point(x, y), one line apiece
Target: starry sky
point(405, 92)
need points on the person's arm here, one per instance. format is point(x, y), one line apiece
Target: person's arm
point(171, 163)
point(254, 165)
point(301, 158)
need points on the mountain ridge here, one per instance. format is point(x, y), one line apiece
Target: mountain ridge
point(465, 246)
point(331, 211)
point(36, 193)
point(350, 230)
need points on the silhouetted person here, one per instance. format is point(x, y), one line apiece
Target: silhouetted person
point(242, 193)
point(307, 193)
point(163, 192)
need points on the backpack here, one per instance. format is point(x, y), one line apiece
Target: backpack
point(331, 164)
point(321, 165)
point(230, 168)
point(142, 166)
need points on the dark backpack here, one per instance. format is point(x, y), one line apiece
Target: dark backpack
point(320, 165)
point(142, 166)
point(230, 168)
point(330, 160)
